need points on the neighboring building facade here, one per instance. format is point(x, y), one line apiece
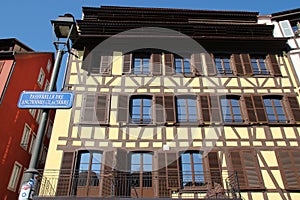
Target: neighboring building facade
point(157, 115)
point(21, 69)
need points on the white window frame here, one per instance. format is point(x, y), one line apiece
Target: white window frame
point(38, 116)
point(32, 112)
point(49, 65)
point(286, 28)
point(41, 78)
point(14, 177)
point(32, 143)
point(47, 84)
point(25, 137)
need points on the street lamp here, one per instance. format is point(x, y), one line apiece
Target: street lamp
point(65, 31)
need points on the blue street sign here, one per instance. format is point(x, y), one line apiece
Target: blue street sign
point(39, 100)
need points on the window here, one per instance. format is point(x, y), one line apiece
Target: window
point(259, 65)
point(286, 28)
point(141, 64)
point(274, 109)
point(89, 167)
point(289, 162)
point(186, 109)
point(223, 64)
point(192, 169)
point(14, 177)
point(49, 65)
point(141, 169)
point(245, 163)
point(32, 143)
point(140, 109)
point(25, 137)
point(95, 108)
point(41, 78)
point(46, 85)
point(231, 109)
point(32, 112)
point(96, 62)
point(39, 116)
point(182, 65)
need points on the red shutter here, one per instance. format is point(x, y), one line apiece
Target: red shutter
point(209, 64)
point(238, 64)
point(123, 108)
point(127, 63)
point(170, 109)
point(156, 64)
point(173, 170)
point(64, 181)
point(169, 64)
point(294, 107)
point(250, 109)
point(247, 64)
point(259, 109)
point(162, 175)
point(215, 109)
point(197, 65)
point(274, 65)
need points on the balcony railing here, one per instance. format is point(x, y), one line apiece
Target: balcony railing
point(113, 184)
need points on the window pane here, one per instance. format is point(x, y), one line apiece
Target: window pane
point(186, 65)
point(178, 66)
point(136, 158)
point(146, 68)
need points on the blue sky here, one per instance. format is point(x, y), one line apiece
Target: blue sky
point(29, 21)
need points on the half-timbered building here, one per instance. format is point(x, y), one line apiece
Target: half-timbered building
point(175, 103)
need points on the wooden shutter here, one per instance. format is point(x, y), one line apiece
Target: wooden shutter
point(247, 64)
point(127, 63)
point(209, 64)
point(102, 107)
point(259, 109)
point(107, 175)
point(250, 109)
point(289, 162)
point(205, 108)
point(246, 165)
point(123, 108)
point(156, 64)
point(294, 107)
point(170, 109)
point(88, 109)
point(197, 65)
point(65, 176)
point(122, 180)
point(162, 175)
point(105, 64)
point(214, 167)
point(274, 65)
point(215, 109)
point(168, 173)
point(159, 109)
point(169, 64)
point(238, 64)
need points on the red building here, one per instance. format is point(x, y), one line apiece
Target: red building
point(21, 68)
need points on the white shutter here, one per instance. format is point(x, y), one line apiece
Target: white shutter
point(286, 28)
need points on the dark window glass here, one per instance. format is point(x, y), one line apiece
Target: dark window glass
point(274, 110)
point(223, 65)
point(192, 169)
point(141, 64)
point(231, 110)
point(89, 169)
point(141, 169)
point(141, 110)
point(186, 109)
